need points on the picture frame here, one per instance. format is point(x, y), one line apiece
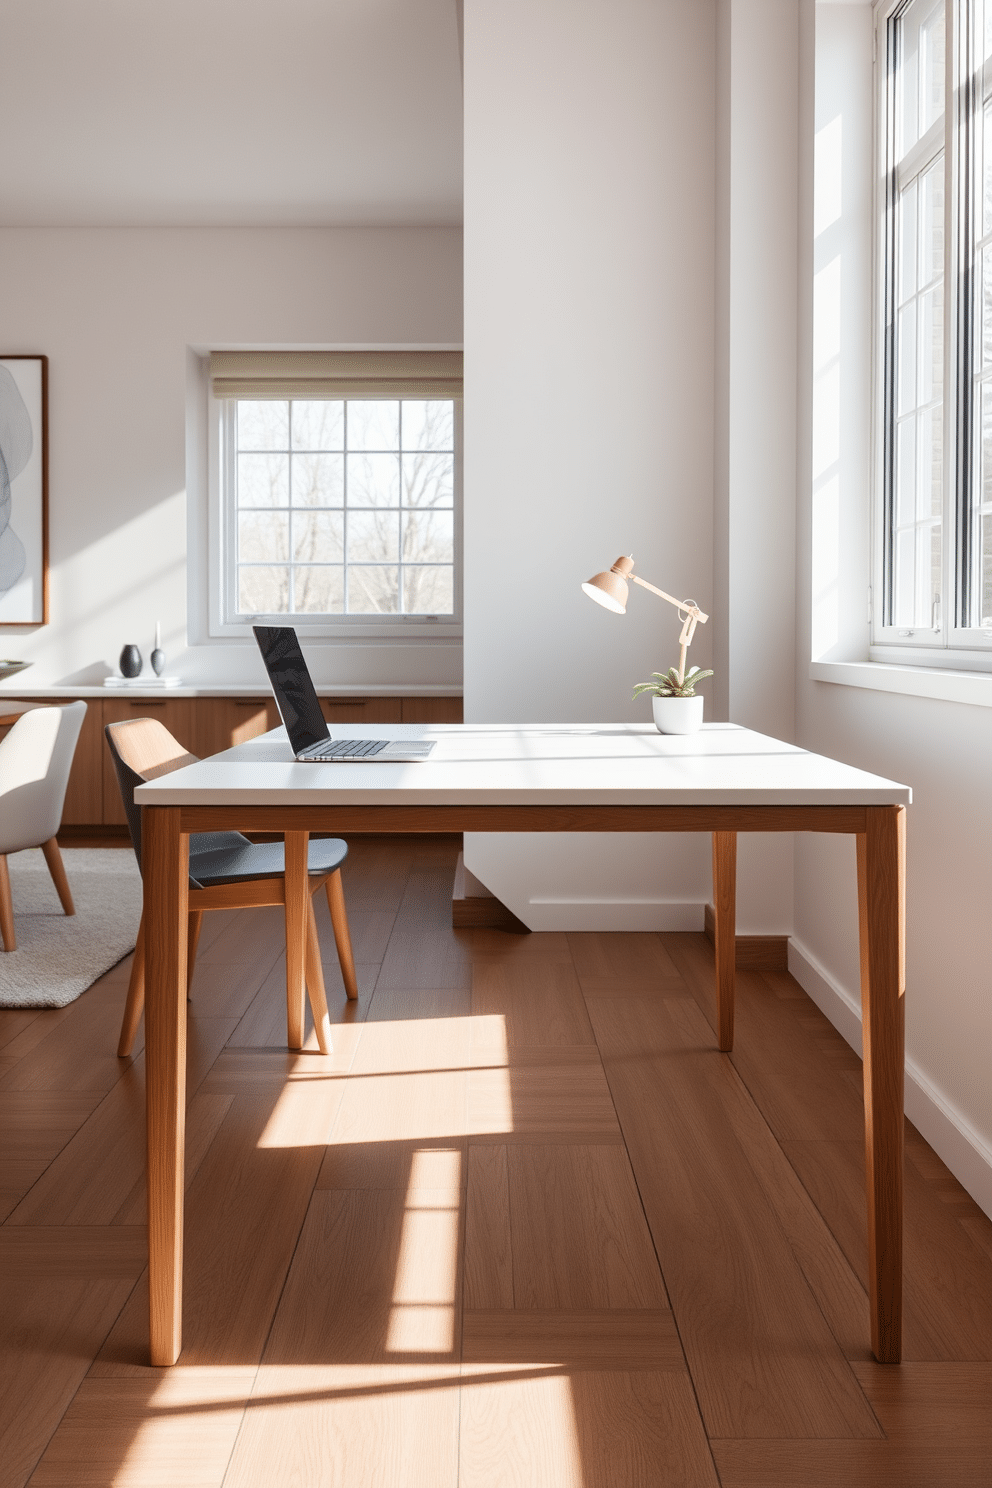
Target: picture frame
point(23, 490)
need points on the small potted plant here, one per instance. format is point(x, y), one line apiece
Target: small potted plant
point(676, 708)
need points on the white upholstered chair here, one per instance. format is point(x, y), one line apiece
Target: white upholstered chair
point(35, 759)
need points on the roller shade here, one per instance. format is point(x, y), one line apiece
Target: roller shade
point(336, 374)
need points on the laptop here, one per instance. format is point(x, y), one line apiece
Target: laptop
point(299, 710)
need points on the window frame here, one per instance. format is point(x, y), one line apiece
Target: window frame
point(953, 641)
point(222, 543)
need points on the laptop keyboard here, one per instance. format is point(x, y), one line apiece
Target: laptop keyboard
point(345, 748)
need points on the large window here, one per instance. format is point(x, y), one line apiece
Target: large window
point(336, 511)
point(932, 584)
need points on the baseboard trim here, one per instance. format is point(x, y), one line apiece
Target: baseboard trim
point(752, 952)
point(949, 1133)
point(480, 910)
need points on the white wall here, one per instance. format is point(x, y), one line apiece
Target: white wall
point(589, 335)
point(116, 311)
point(941, 749)
point(756, 349)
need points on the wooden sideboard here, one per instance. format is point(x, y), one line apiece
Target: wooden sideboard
point(206, 725)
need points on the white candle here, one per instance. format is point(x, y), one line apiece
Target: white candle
point(158, 635)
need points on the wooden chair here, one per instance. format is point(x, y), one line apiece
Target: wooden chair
point(227, 871)
point(35, 759)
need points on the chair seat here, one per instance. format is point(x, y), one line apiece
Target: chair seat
point(228, 857)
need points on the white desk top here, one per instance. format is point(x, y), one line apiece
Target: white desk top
point(605, 764)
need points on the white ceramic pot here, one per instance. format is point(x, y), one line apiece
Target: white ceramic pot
point(677, 715)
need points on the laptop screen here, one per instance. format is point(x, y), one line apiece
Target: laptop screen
point(292, 685)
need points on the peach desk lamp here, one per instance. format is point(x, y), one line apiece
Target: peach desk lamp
point(610, 590)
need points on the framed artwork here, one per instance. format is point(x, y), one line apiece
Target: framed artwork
point(23, 490)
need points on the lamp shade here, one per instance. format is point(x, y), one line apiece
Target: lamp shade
point(610, 589)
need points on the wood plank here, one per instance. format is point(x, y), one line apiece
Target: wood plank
point(423, 948)
point(147, 1433)
point(541, 1095)
point(621, 956)
point(488, 1247)
point(762, 1357)
point(540, 1003)
point(578, 1237)
point(948, 1282)
point(336, 1387)
point(546, 1428)
point(938, 1431)
point(613, 1338)
point(62, 1291)
point(246, 1206)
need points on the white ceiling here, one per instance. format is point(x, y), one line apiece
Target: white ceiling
point(230, 112)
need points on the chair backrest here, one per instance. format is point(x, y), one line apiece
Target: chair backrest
point(142, 749)
point(35, 760)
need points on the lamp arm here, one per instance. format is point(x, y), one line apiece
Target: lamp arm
point(691, 614)
point(680, 604)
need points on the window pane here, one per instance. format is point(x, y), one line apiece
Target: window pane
point(428, 591)
point(931, 343)
point(935, 457)
point(428, 425)
point(318, 480)
point(932, 222)
point(318, 425)
point(428, 480)
point(986, 560)
point(263, 537)
point(905, 577)
point(906, 473)
point(263, 591)
point(428, 537)
point(373, 590)
point(373, 536)
point(907, 242)
point(986, 480)
point(906, 330)
point(929, 485)
point(987, 306)
point(318, 591)
point(987, 159)
point(921, 71)
point(373, 425)
point(318, 537)
point(932, 67)
point(373, 480)
point(263, 480)
point(263, 425)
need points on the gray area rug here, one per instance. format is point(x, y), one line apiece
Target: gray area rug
point(59, 956)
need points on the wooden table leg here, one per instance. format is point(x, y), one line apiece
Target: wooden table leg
point(881, 914)
point(725, 933)
point(297, 905)
point(165, 870)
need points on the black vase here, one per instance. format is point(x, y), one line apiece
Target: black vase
point(130, 662)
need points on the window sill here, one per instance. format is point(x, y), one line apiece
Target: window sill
point(912, 681)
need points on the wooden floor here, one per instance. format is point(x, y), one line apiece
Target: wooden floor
point(525, 1227)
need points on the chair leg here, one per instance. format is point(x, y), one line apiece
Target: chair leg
point(6, 908)
point(56, 868)
point(316, 990)
point(192, 936)
point(135, 1005)
point(342, 935)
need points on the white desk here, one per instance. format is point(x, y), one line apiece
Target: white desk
point(579, 778)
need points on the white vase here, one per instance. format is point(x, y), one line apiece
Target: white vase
point(677, 715)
